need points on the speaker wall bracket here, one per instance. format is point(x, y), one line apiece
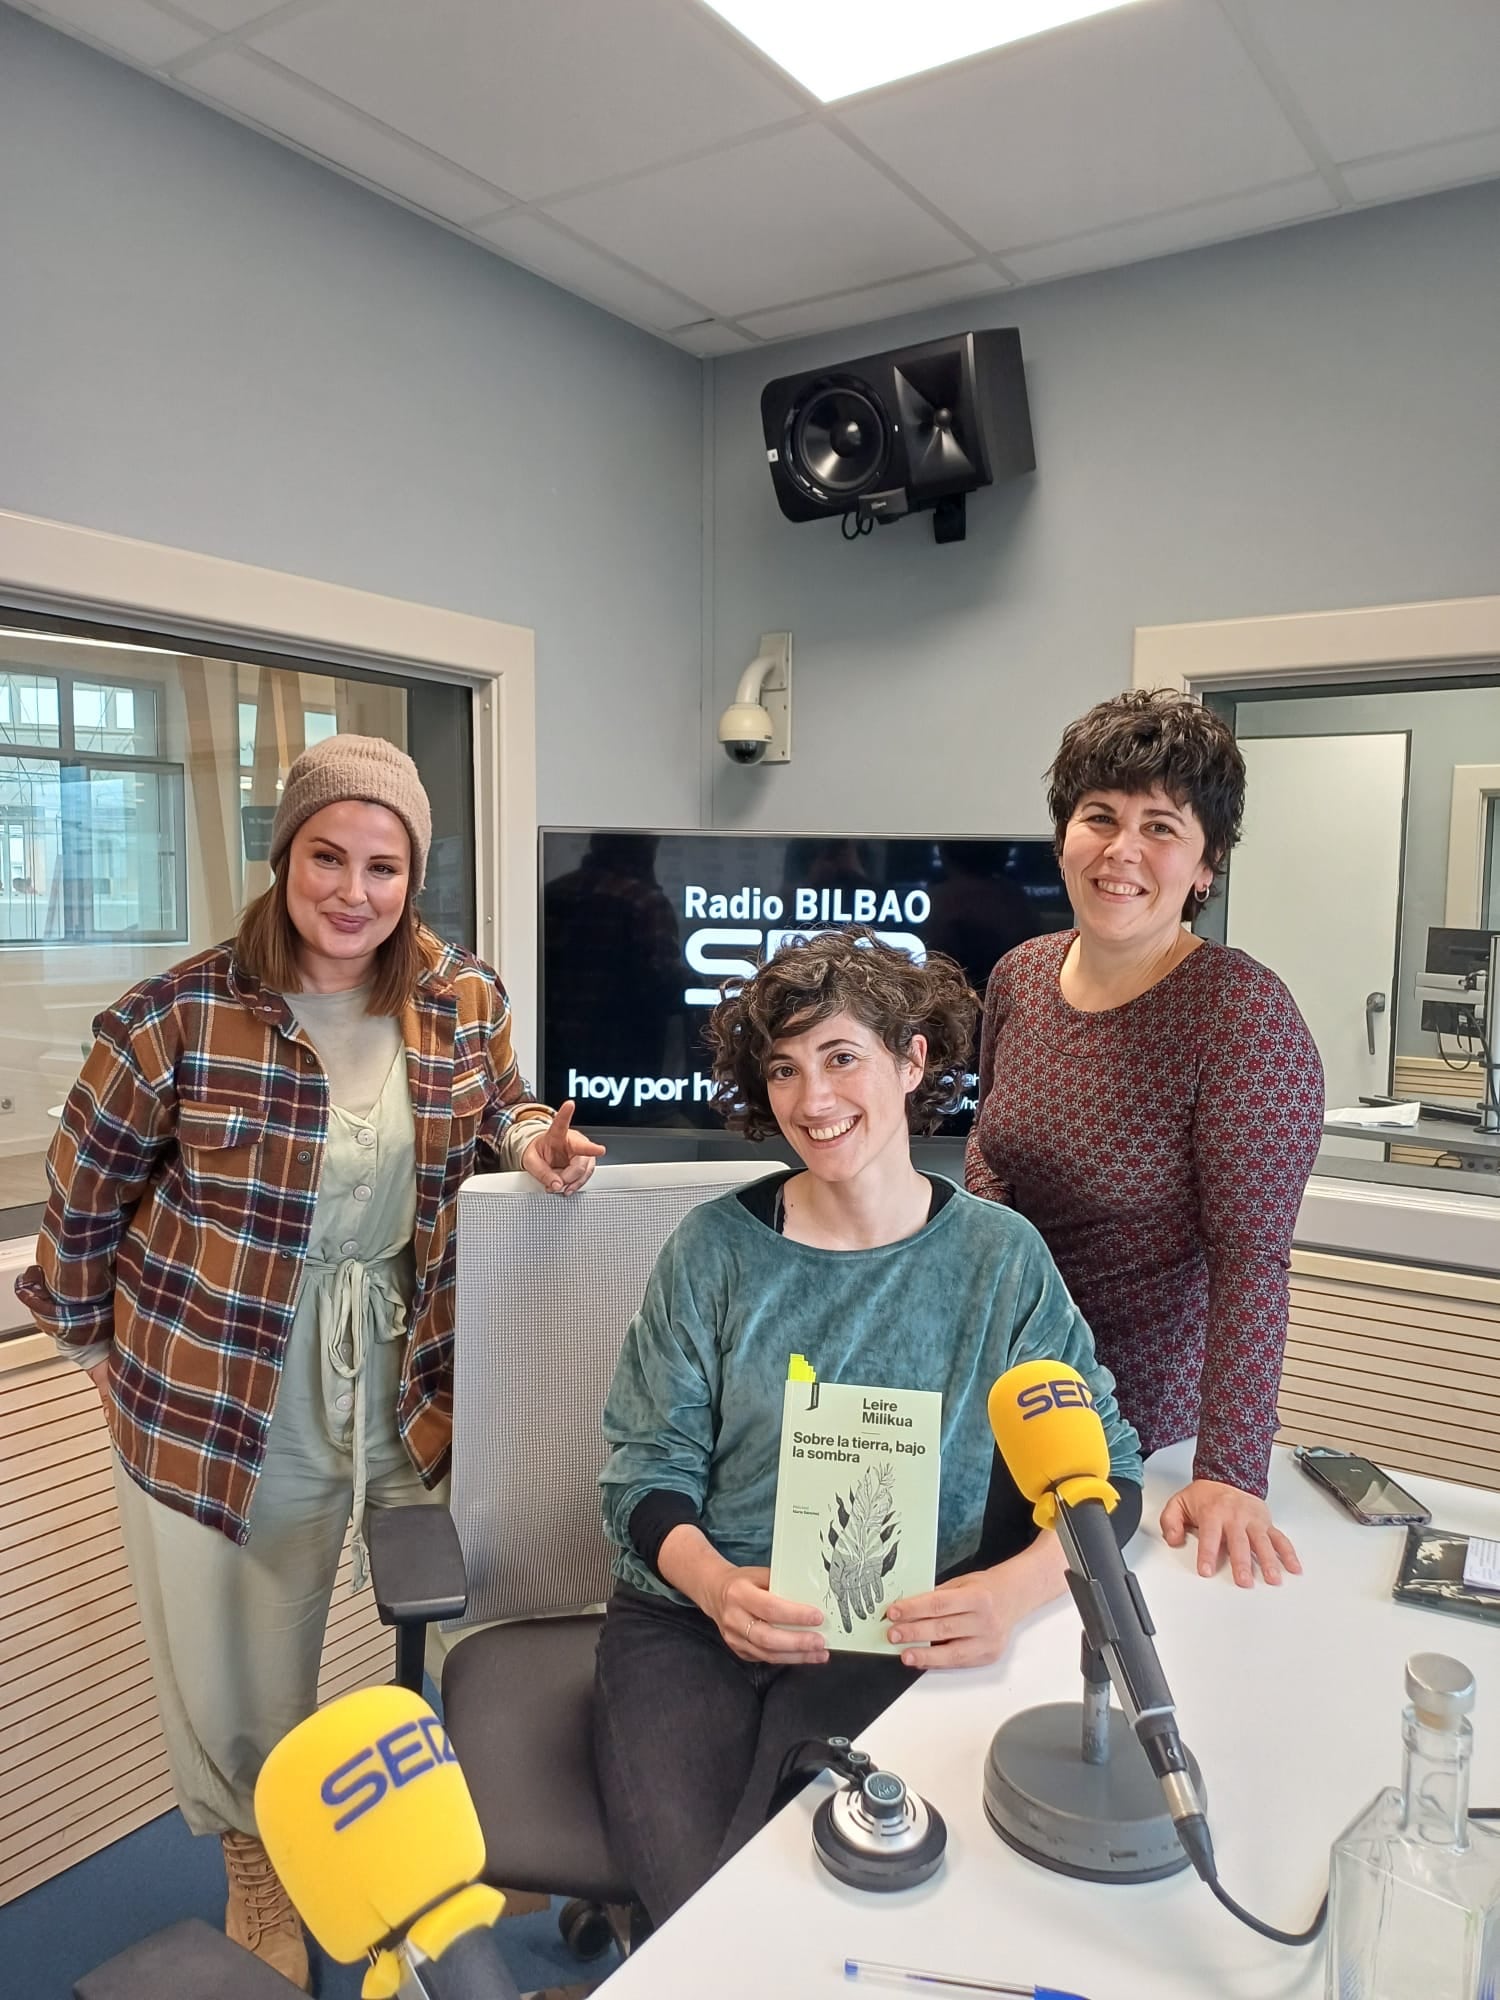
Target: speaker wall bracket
point(950, 518)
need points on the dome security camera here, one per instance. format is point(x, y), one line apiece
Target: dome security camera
point(756, 728)
point(745, 731)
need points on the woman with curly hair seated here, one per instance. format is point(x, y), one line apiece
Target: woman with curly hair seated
point(879, 1275)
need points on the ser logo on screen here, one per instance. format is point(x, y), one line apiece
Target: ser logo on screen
point(729, 951)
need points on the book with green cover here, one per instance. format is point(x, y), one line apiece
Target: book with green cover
point(856, 1503)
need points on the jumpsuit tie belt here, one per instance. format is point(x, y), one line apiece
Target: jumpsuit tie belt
point(360, 1309)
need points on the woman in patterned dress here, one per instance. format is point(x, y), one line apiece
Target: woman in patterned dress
point(1152, 1102)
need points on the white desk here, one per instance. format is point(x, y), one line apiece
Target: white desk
point(1291, 1700)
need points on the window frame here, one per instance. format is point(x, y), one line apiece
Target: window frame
point(57, 569)
point(89, 762)
point(1364, 648)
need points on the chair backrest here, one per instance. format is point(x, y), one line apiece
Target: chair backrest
point(547, 1285)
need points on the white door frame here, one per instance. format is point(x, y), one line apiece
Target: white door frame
point(1378, 642)
point(57, 567)
point(1474, 786)
point(1365, 646)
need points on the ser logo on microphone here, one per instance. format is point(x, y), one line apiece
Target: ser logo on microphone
point(386, 1765)
point(1065, 1392)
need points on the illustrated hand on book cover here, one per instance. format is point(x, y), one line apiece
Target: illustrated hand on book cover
point(863, 1544)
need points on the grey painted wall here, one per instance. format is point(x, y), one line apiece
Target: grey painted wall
point(1447, 726)
point(209, 341)
point(1294, 422)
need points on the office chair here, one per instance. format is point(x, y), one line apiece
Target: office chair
point(546, 1289)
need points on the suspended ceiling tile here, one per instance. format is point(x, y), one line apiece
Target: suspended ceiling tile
point(1189, 229)
point(934, 288)
point(225, 15)
point(1379, 76)
point(791, 215)
point(1422, 172)
point(708, 338)
point(535, 97)
point(291, 110)
point(131, 27)
point(1154, 107)
point(532, 241)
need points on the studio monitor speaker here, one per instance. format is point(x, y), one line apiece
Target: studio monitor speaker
point(890, 434)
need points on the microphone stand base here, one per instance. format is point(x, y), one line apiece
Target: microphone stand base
point(1099, 1822)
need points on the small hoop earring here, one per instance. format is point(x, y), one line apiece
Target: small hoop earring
point(1200, 896)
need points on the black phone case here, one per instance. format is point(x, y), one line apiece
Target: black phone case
point(1311, 1468)
point(1432, 1575)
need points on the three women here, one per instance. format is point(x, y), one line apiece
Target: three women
point(249, 1244)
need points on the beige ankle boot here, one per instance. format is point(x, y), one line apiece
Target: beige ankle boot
point(260, 1915)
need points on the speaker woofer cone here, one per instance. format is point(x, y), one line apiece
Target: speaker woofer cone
point(838, 441)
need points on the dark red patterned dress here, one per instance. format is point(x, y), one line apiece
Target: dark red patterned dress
point(1161, 1148)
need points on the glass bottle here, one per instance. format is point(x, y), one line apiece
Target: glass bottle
point(1414, 1884)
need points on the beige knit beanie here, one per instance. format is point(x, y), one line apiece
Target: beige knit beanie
point(355, 767)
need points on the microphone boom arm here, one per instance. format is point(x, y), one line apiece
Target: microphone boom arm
point(1118, 1626)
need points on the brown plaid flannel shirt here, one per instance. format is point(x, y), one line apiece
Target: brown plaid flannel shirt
point(184, 1175)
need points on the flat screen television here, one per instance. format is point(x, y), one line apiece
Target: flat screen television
point(638, 930)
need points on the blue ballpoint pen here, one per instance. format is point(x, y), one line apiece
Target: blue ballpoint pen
point(953, 1982)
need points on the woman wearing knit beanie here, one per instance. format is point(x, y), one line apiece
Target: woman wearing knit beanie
point(249, 1246)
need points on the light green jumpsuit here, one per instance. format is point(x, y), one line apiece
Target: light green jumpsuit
point(235, 1634)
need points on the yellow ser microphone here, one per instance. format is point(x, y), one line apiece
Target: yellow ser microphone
point(368, 1821)
point(1050, 1436)
point(1052, 1440)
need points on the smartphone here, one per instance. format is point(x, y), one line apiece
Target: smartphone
point(1361, 1488)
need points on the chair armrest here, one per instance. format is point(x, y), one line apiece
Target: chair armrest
point(416, 1565)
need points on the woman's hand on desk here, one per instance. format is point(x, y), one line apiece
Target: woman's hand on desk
point(1228, 1521)
point(968, 1621)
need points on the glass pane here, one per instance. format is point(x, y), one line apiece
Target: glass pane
point(135, 854)
point(1491, 916)
point(89, 854)
point(138, 784)
point(29, 710)
point(118, 720)
point(1341, 886)
point(31, 830)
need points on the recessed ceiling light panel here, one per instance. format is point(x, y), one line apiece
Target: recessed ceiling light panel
point(836, 48)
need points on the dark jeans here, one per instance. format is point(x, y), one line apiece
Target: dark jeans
point(688, 1739)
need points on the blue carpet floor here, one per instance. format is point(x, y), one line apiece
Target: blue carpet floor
point(57, 1932)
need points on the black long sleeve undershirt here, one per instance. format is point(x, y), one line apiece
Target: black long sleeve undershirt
point(1008, 1525)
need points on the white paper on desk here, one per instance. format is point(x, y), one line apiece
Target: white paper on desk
point(1375, 1114)
point(1482, 1564)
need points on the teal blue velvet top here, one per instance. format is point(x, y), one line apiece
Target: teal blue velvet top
point(695, 1406)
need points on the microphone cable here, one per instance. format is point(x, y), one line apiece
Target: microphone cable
point(1210, 1875)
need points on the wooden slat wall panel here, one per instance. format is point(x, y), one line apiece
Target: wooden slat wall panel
point(83, 1763)
point(1410, 1377)
point(1432, 1078)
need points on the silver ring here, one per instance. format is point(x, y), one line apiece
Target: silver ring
point(749, 1628)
